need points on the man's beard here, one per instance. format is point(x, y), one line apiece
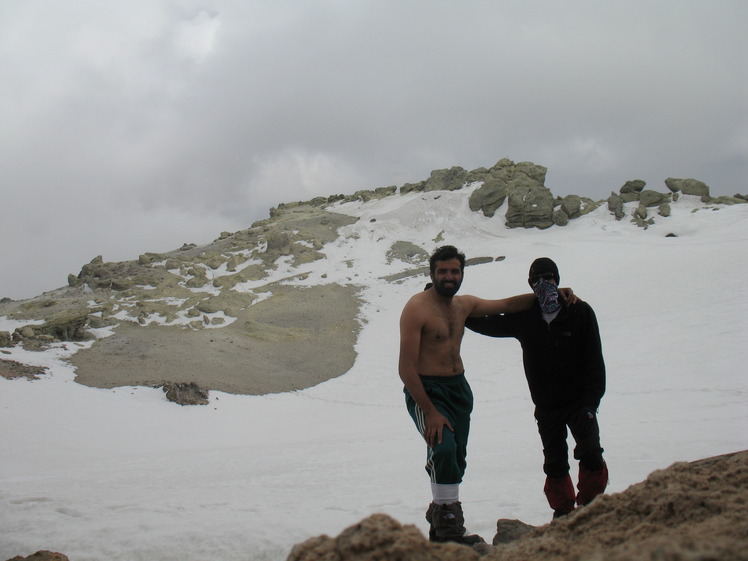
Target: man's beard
point(447, 291)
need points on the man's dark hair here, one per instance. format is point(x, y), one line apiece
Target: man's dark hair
point(445, 253)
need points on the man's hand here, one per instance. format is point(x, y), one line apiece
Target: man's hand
point(568, 296)
point(435, 423)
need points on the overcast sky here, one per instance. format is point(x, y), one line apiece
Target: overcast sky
point(137, 126)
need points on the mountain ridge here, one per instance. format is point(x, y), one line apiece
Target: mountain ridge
point(246, 293)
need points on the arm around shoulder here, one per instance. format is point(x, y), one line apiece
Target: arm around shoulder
point(511, 305)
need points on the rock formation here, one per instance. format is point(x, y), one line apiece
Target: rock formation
point(687, 512)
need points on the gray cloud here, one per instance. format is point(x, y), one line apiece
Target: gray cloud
point(139, 126)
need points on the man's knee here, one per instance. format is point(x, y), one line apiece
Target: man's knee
point(590, 456)
point(556, 461)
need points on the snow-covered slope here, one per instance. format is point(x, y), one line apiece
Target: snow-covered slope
point(125, 475)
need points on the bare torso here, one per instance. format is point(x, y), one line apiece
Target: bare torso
point(442, 329)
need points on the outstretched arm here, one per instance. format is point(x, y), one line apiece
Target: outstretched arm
point(480, 307)
point(494, 326)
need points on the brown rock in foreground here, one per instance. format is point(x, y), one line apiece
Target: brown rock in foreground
point(688, 512)
point(42, 555)
point(379, 537)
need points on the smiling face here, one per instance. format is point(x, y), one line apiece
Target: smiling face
point(447, 277)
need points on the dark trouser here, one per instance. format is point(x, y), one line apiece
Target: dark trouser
point(552, 425)
point(452, 396)
point(593, 473)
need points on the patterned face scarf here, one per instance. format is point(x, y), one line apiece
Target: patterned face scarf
point(547, 293)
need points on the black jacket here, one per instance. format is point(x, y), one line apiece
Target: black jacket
point(563, 361)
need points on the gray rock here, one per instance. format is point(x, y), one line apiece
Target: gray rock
point(413, 188)
point(186, 394)
point(688, 187)
point(651, 198)
point(407, 252)
point(560, 218)
point(67, 325)
point(450, 179)
point(633, 186)
point(530, 207)
point(724, 200)
point(615, 206)
point(509, 530)
point(501, 181)
point(488, 197)
point(572, 205)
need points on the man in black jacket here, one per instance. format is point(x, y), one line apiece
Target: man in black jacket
point(565, 371)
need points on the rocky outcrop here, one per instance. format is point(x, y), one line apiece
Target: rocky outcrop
point(186, 393)
point(450, 179)
point(633, 191)
point(688, 187)
point(687, 512)
point(67, 324)
point(10, 369)
point(530, 202)
point(407, 252)
point(530, 207)
point(213, 286)
point(42, 555)
point(379, 537)
point(179, 287)
point(501, 181)
point(509, 530)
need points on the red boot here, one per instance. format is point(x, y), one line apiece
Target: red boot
point(591, 484)
point(560, 494)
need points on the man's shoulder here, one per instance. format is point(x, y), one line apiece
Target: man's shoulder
point(580, 309)
point(418, 301)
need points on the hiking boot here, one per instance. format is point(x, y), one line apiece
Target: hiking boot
point(560, 494)
point(561, 513)
point(447, 524)
point(591, 484)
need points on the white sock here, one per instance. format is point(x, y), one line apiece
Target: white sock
point(445, 494)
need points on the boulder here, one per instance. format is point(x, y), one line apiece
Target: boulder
point(501, 180)
point(615, 206)
point(688, 187)
point(407, 252)
point(412, 188)
point(560, 218)
point(488, 197)
point(530, 207)
point(379, 537)
point(630, 197)
point(572, 205)
point(185, 394)
point(450, 179)
point(725, 200)
point(67, 325)
point(651, 198)
point(633, 186)
point(42, 555)
point(509, 530)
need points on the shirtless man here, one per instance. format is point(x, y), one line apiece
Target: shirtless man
point(437, 394)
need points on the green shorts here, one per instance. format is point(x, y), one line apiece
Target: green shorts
point(453, 398)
